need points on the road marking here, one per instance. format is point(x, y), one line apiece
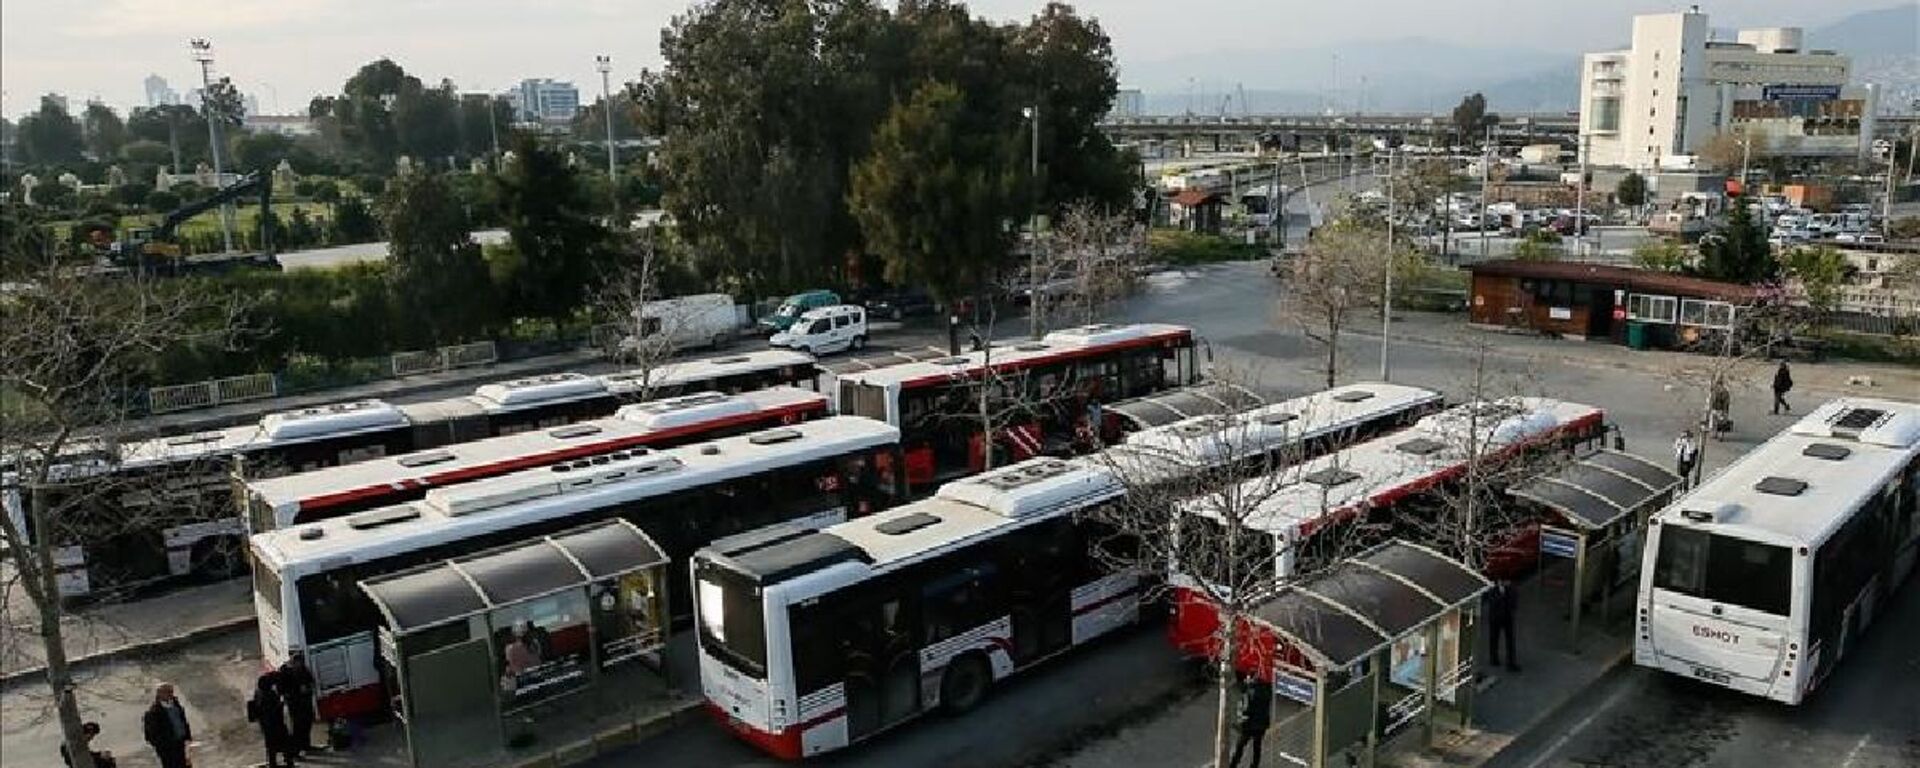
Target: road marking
point(1855, 752)
point(1578, 727)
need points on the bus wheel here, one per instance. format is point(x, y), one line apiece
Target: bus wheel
point(964, 684)
point(218, 558)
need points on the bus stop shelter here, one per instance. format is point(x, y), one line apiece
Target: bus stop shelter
point(1368, 648)
point(1184, 403)
point(521, 647)
point(1595, 514)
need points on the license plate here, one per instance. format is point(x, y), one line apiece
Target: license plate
point(1712, 675)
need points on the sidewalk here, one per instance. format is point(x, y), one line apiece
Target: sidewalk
point(140, 627)
point(1829, 377)
point(1506, 704)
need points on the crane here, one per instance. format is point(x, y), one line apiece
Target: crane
point(155, 251)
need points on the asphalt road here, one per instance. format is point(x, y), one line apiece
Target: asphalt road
point(1867, 715)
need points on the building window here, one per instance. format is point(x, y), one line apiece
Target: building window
point(1651, 309)
point(1706, 314)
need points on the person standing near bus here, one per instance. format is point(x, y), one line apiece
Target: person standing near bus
point(166, 728)
point(268, 711)
point(1502, 604)
point(296, 686)
point(1256, 713)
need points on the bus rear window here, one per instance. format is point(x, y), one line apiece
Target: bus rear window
point(266, 584)
point(731, 623)
point(857, 399)
point(1724, 569)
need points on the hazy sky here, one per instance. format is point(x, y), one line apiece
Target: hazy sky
point(285, 51)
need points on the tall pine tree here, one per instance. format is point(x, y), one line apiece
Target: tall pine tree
point(1737, 252)
point(563, 251)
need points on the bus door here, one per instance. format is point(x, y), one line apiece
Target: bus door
point(882, 663)
point(1041, 563)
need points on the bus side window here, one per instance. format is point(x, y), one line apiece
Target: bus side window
point(960, 601)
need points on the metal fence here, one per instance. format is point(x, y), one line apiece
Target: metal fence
point(207, 394)
point(1882, 325)
point(445, 358)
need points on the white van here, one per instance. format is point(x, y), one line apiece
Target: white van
point(824, 330)
point(682, 322)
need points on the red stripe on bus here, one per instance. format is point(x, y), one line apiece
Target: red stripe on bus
point(1108, 600)
point(326, 501)
point(1148, 341)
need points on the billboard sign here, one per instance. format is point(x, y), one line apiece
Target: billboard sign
point(1800, 92)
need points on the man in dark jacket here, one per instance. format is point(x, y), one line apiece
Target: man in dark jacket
point(1256, 713)
point(1502, 601)
point(1782, 384)
point(296, 686)
point(269, 712)
point(166, 728)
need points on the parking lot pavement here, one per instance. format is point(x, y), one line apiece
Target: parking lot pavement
point(109, 627)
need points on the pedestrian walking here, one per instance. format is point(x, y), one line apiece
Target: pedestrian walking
point(1782, 384)
point(1686, 454)
point(101, 757)
point(1502, 603)
point(166, 728)
point(296, 686)
point(1256, 713)
point(1720, 409)
point(268, 711)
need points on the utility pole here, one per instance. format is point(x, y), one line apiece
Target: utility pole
point(1032, 114)
point(203, 53)
point(1386, 304)
point(1580, 203)
point(605, 65)
point(1886, 203)
point(1486, 189)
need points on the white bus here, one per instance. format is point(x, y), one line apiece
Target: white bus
point(1296, 522)
point(306, 577)
point(810, 641)
point(277, 502)
point(1763, 577)
point(180, 491)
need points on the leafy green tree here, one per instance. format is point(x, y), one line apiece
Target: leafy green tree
point(132, 193)
point(436, 274)
point(1069, 61)
point(483, 119)
point(1632, 190)
point(146, 152)
point(563, 250)
point(301, 230)
point(224, 102)
point(1471, 119)
point(1820, 272)
point(1539, 245)
point(260, 151)
point(1661, 256)
point(172, 125)
point(161, 201)
point(53, 196)
point(104, 130)
point(933, 198)
point(50, 137)
point(353, 222)
point(1737, 252)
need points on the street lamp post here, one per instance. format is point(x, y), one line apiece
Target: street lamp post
point(1032, 114)
point(605, 65)
point(1386, 304)
point(203, 52)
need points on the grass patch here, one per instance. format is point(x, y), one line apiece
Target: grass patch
point(1179, 247)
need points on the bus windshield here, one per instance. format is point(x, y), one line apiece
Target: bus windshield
point(731, 626)
point(1724, 569)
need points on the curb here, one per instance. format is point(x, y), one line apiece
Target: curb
point(131, 650)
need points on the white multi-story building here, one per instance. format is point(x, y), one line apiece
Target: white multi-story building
point(544, 100)
point(1657, 103)
point(1129, 103)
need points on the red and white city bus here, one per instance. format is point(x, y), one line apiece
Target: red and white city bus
point(277, 502)
point(811, 641)
point(1057, 377)
point(190, 527)
point(1296, 522)
point(1764, 576)
point(306, 577)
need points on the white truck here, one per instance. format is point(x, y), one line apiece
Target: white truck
point(683, 322)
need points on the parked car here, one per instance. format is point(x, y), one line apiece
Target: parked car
point(681, 322)
point(898, 304)
point(826, 330)
point(795, 306)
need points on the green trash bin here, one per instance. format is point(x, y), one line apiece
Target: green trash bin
point(1636, 335)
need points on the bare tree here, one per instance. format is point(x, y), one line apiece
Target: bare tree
point(1203, 508)
point(1732, 346)
point(1090, 264)
point(634, 334)
point(73, 344)
point(1339, 275)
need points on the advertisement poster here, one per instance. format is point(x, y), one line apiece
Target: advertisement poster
point(627, 617)
point(542, 647)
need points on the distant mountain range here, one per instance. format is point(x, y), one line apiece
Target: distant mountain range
point(1421, 75)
